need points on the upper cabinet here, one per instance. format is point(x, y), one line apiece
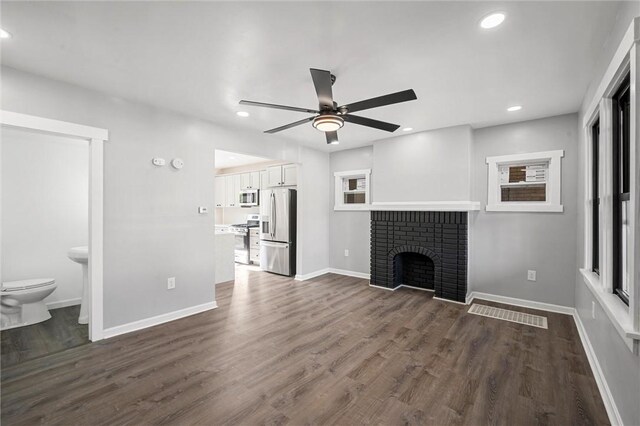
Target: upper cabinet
point(282, 175)
point(264, 179)
point(228, 187)
point(220, 191)
point(250, 180)
point(232, 185)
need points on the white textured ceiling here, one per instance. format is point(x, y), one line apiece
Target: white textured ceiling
point(202, 58)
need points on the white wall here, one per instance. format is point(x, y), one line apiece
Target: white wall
point(424, 166)
point(350, 229)
point(45, 202)
point(152, 230)
point(504, 245)
point(621, 368)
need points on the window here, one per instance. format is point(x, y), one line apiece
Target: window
point(352, 190)
point(595, 198)
point(525, 182)
point(621, 106)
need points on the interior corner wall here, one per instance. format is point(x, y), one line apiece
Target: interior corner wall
point(349, 230)
point(152, 229)
point(620, 367)
point(505, 245)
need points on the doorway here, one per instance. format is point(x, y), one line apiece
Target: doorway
point(92, 139)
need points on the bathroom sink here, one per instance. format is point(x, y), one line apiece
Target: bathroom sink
point(79, 254)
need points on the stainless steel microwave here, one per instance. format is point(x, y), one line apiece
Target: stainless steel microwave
point(249, 198)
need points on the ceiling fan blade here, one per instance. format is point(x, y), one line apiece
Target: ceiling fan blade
point(290, 125)
point(332, 137)
point(322, 82)
point(393, 98)
point(288, 108)
point(370, 123)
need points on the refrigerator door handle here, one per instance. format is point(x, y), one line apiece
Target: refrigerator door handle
point(273, 215)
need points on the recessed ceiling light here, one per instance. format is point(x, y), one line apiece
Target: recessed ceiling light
point(514, 108)
point(4, 33)
point(492, 21)
point(334, 143)
point(407, 129)
point(242, 113)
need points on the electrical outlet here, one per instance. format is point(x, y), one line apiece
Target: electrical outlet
point(346, 252)
point(171, 283)
point(593, 310)
point(531, 275)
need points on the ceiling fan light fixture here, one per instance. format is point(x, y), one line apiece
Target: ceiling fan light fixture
point(328, 122)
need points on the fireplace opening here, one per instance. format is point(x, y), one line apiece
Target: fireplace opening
point(414, 270)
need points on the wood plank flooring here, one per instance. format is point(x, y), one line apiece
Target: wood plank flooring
point(58, 333)
point(331, 350)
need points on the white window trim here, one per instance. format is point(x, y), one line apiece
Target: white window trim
point(553, 203)
point(339, 204)
point(626, 319)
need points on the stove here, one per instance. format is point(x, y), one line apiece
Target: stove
point(241, 231)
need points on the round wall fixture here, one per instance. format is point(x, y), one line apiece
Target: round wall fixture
point(177, 163)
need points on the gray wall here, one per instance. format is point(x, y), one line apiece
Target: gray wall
point(621, 368)
point(504, 245)
point(349, 229)
point(152, 229)
point(424, 166)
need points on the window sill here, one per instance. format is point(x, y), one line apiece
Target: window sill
point(617, 311)
point(352, 208)
point(525, 207)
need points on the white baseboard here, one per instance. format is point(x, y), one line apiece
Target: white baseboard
point(384, 288)
point(350, 273)
point(310, 275)
point(567, 310)
point(158, 319)
point(64, 303)
point(601, 381)
point(319, 272)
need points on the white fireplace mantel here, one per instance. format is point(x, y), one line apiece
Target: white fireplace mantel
point(438, 206)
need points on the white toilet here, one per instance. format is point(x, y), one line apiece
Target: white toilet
point(23, 302)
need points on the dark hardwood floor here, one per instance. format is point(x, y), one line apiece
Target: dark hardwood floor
point(60, 332)
point(330, 350)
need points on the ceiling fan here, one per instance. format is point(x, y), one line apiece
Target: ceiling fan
point(329, 117)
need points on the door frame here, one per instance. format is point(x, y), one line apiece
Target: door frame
point(95, 137)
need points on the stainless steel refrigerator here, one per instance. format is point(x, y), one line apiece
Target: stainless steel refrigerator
point(278, 231)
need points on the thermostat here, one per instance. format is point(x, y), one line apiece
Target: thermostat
point(177, 163)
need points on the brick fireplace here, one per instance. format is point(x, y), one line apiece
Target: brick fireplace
point(420, 249)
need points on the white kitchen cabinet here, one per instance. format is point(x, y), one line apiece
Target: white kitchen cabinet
point(264, 179)
point(282, 175)
point(250, 180)
point(221, 191)
point(274, 176)
point(289, 175)
point(232, 185)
